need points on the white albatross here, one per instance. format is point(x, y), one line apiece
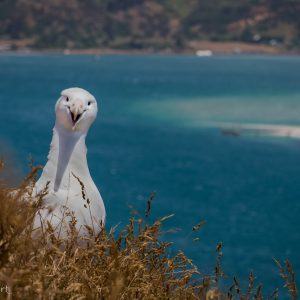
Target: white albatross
point(67, 168)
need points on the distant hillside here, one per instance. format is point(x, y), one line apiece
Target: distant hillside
point(148, 24)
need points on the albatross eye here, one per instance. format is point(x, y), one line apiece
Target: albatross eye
point(89, 103)
point(67, 99)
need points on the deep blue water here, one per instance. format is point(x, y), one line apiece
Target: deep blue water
point(151, 135)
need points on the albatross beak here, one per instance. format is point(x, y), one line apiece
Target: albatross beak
point(76, 110)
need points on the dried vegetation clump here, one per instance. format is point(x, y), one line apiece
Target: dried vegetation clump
point(131, 264)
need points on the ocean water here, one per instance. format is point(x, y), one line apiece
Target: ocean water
point(178, 125)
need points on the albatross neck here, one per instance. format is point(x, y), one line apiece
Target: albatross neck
point(68, 153)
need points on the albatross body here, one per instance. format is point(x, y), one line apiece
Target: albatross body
point(71, 190)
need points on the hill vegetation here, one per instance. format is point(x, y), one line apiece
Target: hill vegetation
point(148, 24)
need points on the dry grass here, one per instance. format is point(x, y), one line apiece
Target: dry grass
point(132, 264)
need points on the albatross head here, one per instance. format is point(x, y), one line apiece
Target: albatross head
point(76, 110)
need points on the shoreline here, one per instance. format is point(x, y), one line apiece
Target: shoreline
point(112, 52)
point(199, 48)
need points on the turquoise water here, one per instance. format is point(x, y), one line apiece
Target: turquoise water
point(159, 130)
